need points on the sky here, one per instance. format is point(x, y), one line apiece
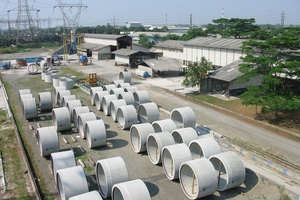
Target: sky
point(157, 12)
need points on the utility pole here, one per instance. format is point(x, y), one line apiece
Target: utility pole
point(191, 20)
point(222, 12)
point(166, 19)
point(282, 18)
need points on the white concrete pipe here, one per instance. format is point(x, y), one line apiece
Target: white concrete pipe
point(204, 147)
point(71, 105)
point(110, 171)
point(45, 66)
point(123, 85)
point(95, 133)
point(82, 119)
point(125, 76)
point(61, 118)
point(23, 97)
point(55, 92)
point(230, 170)
point(68, 83)
point(93, 91)
point(172, 158)
point(55, 81)
point(184, 117)
point(32, 68)
point(155, 143)
point(60, 95)
point(77, 111)
point(126, 116)
point(71, 182)
point(128, 97)
point(45, 101)
point(148, 112)
point(29, 108)
point(62, 160)
point(140, 97)
point(48, 77)
point(43, 75)
point(138, 136)
point(106, 103)
point(109, 87)
point(184, 135)
point(116, 91)
point(74, 79)
point(48, 141)
point(131, 89)
point(93, 195)
point(67, 98)
point(24, 91)
point(117, 82)
point(164, 125)
point(98, 99)
point(114, 105)
point(130, 190)
point(198, 178)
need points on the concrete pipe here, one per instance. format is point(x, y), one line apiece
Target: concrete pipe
point(123, 85)
point(82, 119)
point(62, 160)
point(204, 147)
point(131, 89)
point(93, 195)
point(106, 103)
point(77, 111)
point(198, 178)
point(184, 135)
point(61, 119)
point(140, 97)
point(109, 87)
point(164, 125)
point(93, 91)
point(29, 108)
point(55, 81)
point(114, 105)
point(98, 99)
point(184, 117)
point(172, 158)
point(116, 91)
point(71, 105)
point(71, 182)
point(55, 92)
point(95, 133)
point(126, 116)
point(68, 83)
point(23, 97)
point(110, 171)
point(148, 112)
point(138, 136)
point(128, 97)
point(60, 95)
point(65, 99)
point(32, 68)
point(230, 170)
point(130, 190)
point(43, 75)
point(45, 101)
point(48, 77)
point(155, 143)
point(48, 141)
point(117, 82)
point(74, 79)
point(24, 91)
point(125, 76)
point(45, 66)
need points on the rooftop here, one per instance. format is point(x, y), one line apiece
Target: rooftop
point(223, 43)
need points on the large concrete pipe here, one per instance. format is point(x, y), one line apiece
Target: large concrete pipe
point(172, 158)
point(198, 178)
point(67, 98)
point(55, 81)
point(140, 97)
point(93, 91)
point(32, 68)
point(55, 92)
point(125, 76)
point(71, 182)
point(110, 171)
point(106, 103)
point(43, 75)
point(62, 160)
point(155, 143)
point(71, 105)
point(93, 195)
point(74, 79)
point(68, 83)
point(116, 91)
point(98, 99)
point(23, 97)
point(95, 133)
point(130, 190)
point(117, 82)
point(114, 105)
point(48, 77)
point(77, 111)
point(109, 87)
point(184, 135)
point(82, 119)
point(131, 89)
point(48, 141)
point(60, 95)
point(184, 117)
point(24, 91)
point(138, 136)
point(204, 147)
point(45, 101)
point(164, 125)
point(29, 108)
point(126, 116)
point(128, 97)
point(148, 112)
point(230, 170)
point(123, 85)
point(61, 119)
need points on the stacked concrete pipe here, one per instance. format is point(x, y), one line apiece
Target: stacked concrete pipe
point(95, 133)
point(48, 141)
point(114, 105)
point(82, 119)
point(131, 89)
point(93, 195)
point(106, 103)
point(77, 111)
point(116, 91)
point(117, 82)
point(138, 136)
point(68, 83)
point(125, 76)
point(184, 135)
point(109, 87)
point(93, 91)
point(128, 97)
point(45, 101)
point(98, 99)
point(67, 98)
point(130, 190)
point(60, 95)
point(29, 108)
point(164, 125)
point(204, 147)
point(126, 116)
point(55, 81)
point(61, 119)
point(55, 92)
point(140, 97)
point(49, 77)
point(24, 91)
point(148, 112)
point(184, 117)
point(123, 85)
point(71, 105)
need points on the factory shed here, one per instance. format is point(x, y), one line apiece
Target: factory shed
point(170, 49)
point(129, 57)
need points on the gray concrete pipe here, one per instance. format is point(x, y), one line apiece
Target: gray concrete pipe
point(55, 92)
point(93, 195)
point(68, 83)
point(109, 172)
point(138, 136)
point(229, 168)
point(55, 81)
point(123, 85)
point(116, 91)
point(32, 68)
point(98, 99)
point(60, 95)
point(93, 91)
point(164, 125)
point(114, 105)
point(198, 178)
point(62, 160)
point(125, 76)
point(148, 112)
point(155, 143)
point(204, 147)
point(45, 101)
point(45, 66)
point(48, 141)
point(77, 111)
point(130, 190)
point(71, 105)
point(106, 103)
point(43, 75)
point(172, 158)
point(140, 97)
point(74, 79)
point(49, 77)
point(29, 107)
point(131, 89)
point(126, 116)
point(184, 135)
point(184, 117)
point(82, 119)
point(117, 82)
point(23, 97)
point(109, 87)
point(95, 133)
point(24, 91)
point(128, 97)
point(61, 119)
point(67, 98)
point(71, 182)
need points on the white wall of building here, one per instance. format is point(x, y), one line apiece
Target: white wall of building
point(171, 53)
point(101, 54)
point(122, 59)
point(101, 41)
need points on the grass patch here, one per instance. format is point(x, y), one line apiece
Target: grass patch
point(67, 71)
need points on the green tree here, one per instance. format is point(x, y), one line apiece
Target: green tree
point(277, 60)
point(143, 40)
point(193, 33)
point(196, 73)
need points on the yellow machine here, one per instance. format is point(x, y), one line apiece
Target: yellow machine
point(92, 79)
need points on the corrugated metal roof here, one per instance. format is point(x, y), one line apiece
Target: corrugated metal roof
point(124, 52)
point(227, 73)
point(173, 44)
point(164, 64)
point(102, 36)
point(223, 43)
point(93, 47)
